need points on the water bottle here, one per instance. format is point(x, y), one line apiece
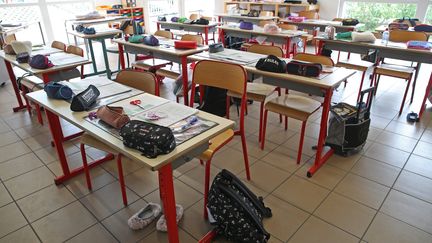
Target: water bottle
point(385, 37)
point(330, 32)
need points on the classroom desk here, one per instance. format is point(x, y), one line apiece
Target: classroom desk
point(382, 28)
point(323, 87)
point(224, 18)
point(12, 30)
point(164, 51)
point(198, 28)
point(391, 50)
point(285, 37)
point(163, 164)
point(311, 24)
point(100, 36)
point(10, 60)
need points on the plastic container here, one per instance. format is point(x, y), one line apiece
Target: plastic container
point(330, 32)
point(385, 37)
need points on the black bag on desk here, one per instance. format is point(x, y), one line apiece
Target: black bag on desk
point(238, 212)
point(271, 64)
point(85, 100)
point(150, 139)
point(350, 22)
point(306, 69)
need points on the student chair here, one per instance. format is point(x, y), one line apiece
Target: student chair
point(233, 78)
point(58, 45)
point(400, 71)
point(77, 51)
point(295, 106)
point(144, 81)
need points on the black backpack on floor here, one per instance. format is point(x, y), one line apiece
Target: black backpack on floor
point(214, 101)
point(237, 211)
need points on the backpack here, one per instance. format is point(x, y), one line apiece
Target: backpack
point(237, 211)
point(214, 101)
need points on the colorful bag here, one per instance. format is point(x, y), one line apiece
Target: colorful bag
point(85, 100)
point(306, 69)
point(185, 44)
point(398, 26)
point(411, 22)
point(40, 62)
point(271, 64)
point(136, 39)
point(113, 116)
point(422, 45)
point(58, 91)
point(246, 25)
point(423, 28)
point(151, 40)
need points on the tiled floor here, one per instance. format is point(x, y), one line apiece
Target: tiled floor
point(382, 194)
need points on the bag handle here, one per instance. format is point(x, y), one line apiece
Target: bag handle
point(369, 91)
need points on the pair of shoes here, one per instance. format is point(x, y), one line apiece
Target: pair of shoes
point(145, 216)
point(161, 224)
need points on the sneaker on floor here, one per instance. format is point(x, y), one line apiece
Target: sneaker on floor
point(161, 224)
point(145, 216)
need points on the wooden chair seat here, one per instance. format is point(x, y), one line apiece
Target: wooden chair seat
point(358, 65)
point(255, 91)
point(32, 83)
point(149, 64)
point(216, 143)
point(308, 37)
point(398, 71)
point(294, 106)
point(167, 73)
point(89, 140)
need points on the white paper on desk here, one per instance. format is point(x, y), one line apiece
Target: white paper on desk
point(174, 113)
point(44, 51)
point(81, 85)
point(147, 102)
point(64, 58)
point(236, 56)
point(112, 89)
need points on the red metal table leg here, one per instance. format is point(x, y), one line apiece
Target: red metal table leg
point(428, 90)
point(15, 87)
point(166, 189)
point(208, 237)
point(222, 37)
point(121, 56)
point(320, 160)
point(158, 26)
point(288, 43)
point(185, 79)
point(206, 30)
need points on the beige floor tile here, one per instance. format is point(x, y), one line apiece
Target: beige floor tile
point(423, 149)
point(414, 185)
point(186, 167)
point(344, 163)
point(327, 176)
point(427, 136)
point(293, 143)
point(317, 231)
point(157, 236)
point(362, 190)
point(4, 127)
point(419, 165)
point(107, 200)
point(409, 209)
point(30, 131)
point(184, 195)
point(397, 141)
point(5, 198)
point(285, 159)
point(143, 181)
point(48, 154)
point(30, 182)
point(286, 218)
point(388, 229)
point(24, 235)
point(376, 171)
point(19, 120)
point(45, 201)
point(117, 225)
point(410, 130)
point(387, 155)
point(99, 178)
point(254, 148)
point(277, 134)
point(374, 133)
point(265, 177)
point(301, 193)
point(193, 221)
point(379, 122)
point(346, 214)
point(13, 150)
point(38, 141)
point(96, 233)
point(8, 138)
point(232, 160)
point(129, 166)
point(64, 223)
point(195, 177)
point(19, 165)
point(11, 219)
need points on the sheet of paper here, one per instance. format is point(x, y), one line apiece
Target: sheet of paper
point(236, 56)
point(112, 90)
point(147, 102)
point(81, 85)
point(173, 113)
point(65, 58)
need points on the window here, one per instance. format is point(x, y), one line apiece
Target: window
point(200, 7)
point(374, 14)
point(428, 19)
point(167, 8)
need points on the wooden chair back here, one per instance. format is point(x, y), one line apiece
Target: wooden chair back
point(266, 50)
point(288, 26)
point(194, 16)
point(58, 45)
point(164, 33)
point(266, 14)
point(75, 50)
point(144, 81)
point(309, 14)
point(197, 38)
point(338, 19)
point(323, 60)
point(405, 36)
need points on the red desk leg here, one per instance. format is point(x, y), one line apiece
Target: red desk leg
point(208, 237)
point(121, 56)
point(428, 90)
point(320, 160)
point(15, 87)
point(206, 30)
point(185, 79)
point(288, 43)
point(166, 189)
point(158, 26)
point(222, 37)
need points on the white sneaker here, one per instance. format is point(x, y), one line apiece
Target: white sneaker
point(161, 224)
point(145, 216)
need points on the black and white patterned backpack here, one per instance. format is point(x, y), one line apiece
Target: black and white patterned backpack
point(237, 211)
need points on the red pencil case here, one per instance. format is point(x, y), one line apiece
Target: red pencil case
point(185, 44)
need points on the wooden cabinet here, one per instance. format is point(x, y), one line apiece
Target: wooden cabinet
point(276, 7)
point(135, 13)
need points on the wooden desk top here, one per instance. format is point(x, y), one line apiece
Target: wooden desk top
point(211, 24)
point(75, 61)
point(259, 31)
point(11, 30)
point(99, 33)
point(322, 23)
point(169, 49)
point(247, 17)
point(62, 109)
point(99, 21)
point(331, 80)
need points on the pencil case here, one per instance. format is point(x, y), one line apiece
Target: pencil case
point(185, 44)
point(304, 68)
point(113, 116)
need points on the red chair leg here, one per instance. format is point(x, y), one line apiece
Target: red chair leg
point(260, 121)
point(377, 79)
point(201, 162)
point(405, 95)
point(264, 129)
point(121, 179)
point(85, 166)
point(245, 154)
point(302, 134)
point(361, 85)
point(206, 187)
